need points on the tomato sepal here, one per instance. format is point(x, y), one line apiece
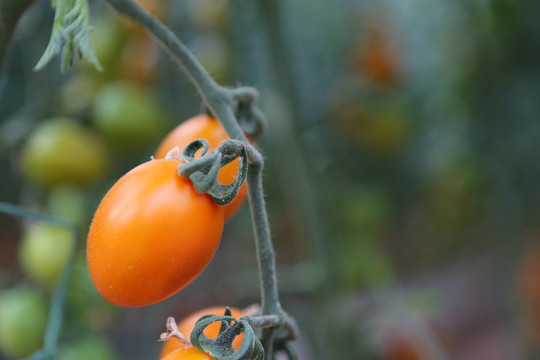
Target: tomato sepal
point(203, 171)
point(221, 347)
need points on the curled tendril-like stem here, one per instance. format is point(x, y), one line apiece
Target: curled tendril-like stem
point(251, 119)
point(221, 347)
point(203, 170)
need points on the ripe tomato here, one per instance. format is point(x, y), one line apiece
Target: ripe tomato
point(186, 326)
point(206, 127)
point(60, 151)
point(44, 252)
point(128, 114)
point(151, 235)
point(189, 353)
point(23, 318)
point(378, 59)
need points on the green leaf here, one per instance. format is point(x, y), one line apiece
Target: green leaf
point(70, 35)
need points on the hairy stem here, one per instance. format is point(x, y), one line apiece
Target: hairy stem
point(219, 99)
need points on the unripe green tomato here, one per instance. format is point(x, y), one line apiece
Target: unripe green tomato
point(78, 92)
point(69, 203)
point(87, 348)
point(60, 151)
point(23, 319)
point(108, 38)
point(44, 252)
point(128, 114)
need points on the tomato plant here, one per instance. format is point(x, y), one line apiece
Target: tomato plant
point(151, 235)
point(189, 353)
point(205, 127)
point(60, 151)
point(127, 113)
point(186, 326)
point(23, 318)
point(45, 251)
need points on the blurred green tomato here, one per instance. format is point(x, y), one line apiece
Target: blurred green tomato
point(108, 37)
point(23, 318)
point(212, 50)
point(68, 203)
point(207, 14)
point(60, 151)
point(78, 92)
point(45, 251)
point(87, 348)
point(128, 114)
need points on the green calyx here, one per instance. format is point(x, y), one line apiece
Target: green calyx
point(203, 170)
point(221, 347)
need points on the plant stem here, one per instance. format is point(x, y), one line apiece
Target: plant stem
point(219, 100)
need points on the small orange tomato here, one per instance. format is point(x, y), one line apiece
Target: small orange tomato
point(189, 353)
point(211, 331)
point(205, 127)
point(151, 235)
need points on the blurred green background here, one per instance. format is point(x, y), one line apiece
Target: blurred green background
point(403, 159)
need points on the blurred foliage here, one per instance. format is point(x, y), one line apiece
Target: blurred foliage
point(411, 184)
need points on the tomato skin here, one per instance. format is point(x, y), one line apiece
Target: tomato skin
point(60, 151)
point(186, 326)
point(151, 235)
point(205, 127)
point(189, 353)
point(44, 252)
point(23, 318)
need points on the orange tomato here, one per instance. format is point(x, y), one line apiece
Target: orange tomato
point(189, 353)
point(186, 326)
point(151, 235)
point(206, 127)
point(378, 59)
